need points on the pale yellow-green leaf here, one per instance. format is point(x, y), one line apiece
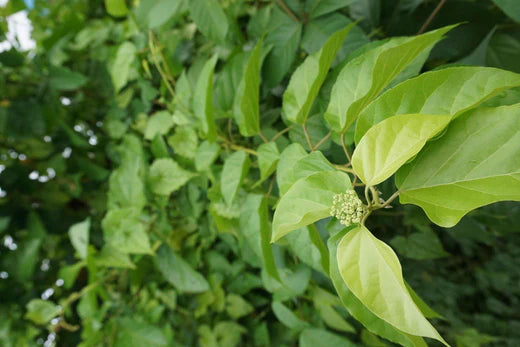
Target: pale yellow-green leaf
point(390, 144)
point(373, 273)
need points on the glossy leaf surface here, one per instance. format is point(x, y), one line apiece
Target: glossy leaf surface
point(391, 143)
point(450, 91)
point(308, 201)
point(306, 81)
point(470, 166)
point(372, 271)
point(364, 77)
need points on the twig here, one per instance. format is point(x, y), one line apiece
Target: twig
point(322, 141)
point(281, 133)
point(263, 137)
point(287, 10)
point(346, 169)
point(390, 199)
point(307, 137)
point(347, 154)
point(431, 17)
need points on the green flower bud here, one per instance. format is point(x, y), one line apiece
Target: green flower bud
point(347, 207)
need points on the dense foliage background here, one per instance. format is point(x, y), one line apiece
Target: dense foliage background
point(91, 118)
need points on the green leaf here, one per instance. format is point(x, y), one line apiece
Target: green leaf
point(284, 36)
point(318, 30)
point(284, 176)
point(246, 105)
point(64, 79)
point(254, 225)
point(287, 317)
point(450, 91)
point(390, 144)
point(162, 11)
point(237, 307)
point(479, 56)
point(166, 176)
point(324, 303)
point(159, 123)
point(159, 148)
point(420, 245)
point(308, 201)
point(228, 80)
point(184, 141)
point(178, 272)
point(79, 235)
point(316, 8)
point(307, 245)
point(468, 167)
point(132, 332)
point(510, 7)
point(116, 8)
point(313, 337)
point(306, 81)
point(504, 51)
point(123, 231)
point(41, 311)
point(207, 153)
point(364, 77)
point(356, 308)
point(110, 256)
point(203, 99)
point(268, 156)
point(120, 67)
point(210, 18)
point(372, 271)
point(292, 167)
point(234, 171)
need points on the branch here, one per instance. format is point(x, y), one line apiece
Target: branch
point(287, 10)
point(431, 17)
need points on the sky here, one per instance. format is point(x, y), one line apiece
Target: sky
point(19, 32)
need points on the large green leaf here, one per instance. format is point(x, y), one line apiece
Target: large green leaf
point(372, 271)
point(268, 156)
point(62, 78)
point(308, 201)
point(41, 311)
point(162, 11)
point(364, 77)
point(449, 91)
point(132, 332)
point(284, 36)
point(120, 67)
point(123, 231)
point(210, 18)
point(306, 81)
point(166, 176)
point(325, 303)
point(356, 308)
point(510, 7)
point(313, 337)
point(178, 272)
point(203, 99)
point(472, 165)
point(116, 8)
point(79, 235)
point(295, 163)
point(308, 246)
point(246, 106)
point(234, 171)
point(159, 123)
point(254, 225)
point(390, 144)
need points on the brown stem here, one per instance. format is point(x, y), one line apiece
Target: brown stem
point(287, 10)
point(347, 154)
point(431, 17)
point(281, 133)
point(307, 137)
point(322, 141)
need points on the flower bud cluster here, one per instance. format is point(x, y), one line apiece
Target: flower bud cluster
point(347, 208)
